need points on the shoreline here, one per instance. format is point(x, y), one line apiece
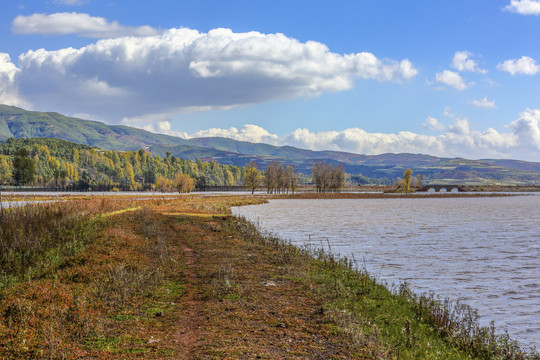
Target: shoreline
point(184, 278)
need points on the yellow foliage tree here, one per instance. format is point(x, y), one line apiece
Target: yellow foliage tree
point(5, 170)
point(184, 183)
point(164, 184)
point(407, 179)
point(252, 176)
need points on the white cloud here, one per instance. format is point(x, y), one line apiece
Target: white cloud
point(182, 69)
point(527, 127)
point(460, 127)
point(452, 79)
point(8, 90)
point(433, 124)
point(524, 7)
point(462, 62)
point(458, 140)
point(484, 103)
point(156, 123)
point(76, 23)
point(525, 65)
point(251, 133)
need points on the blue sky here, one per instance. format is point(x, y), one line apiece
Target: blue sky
point(447, 78)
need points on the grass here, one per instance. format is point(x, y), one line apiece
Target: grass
point(181, 278)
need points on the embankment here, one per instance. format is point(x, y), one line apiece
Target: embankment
point(182, 278)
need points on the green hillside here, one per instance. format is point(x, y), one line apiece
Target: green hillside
point(19, 123)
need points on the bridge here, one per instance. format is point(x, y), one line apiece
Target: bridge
point(442, 188)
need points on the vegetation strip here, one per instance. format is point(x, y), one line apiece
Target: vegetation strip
point(160, 281)
point(118, 212)
point(195, 214)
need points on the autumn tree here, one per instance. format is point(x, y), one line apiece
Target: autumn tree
point(184, 183)
point(129, 176)
point(407, 179)
point(5, 170)
point(58, 162)
point(54, 165)
point(252, 176)
point(164, 184)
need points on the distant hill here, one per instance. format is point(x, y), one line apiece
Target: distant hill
point(19, 123)
point(384, 166)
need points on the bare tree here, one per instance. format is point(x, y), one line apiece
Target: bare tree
point(291, 179)
point(419, 180)
point(328, 177)
point(338, 178)
point(272, 177)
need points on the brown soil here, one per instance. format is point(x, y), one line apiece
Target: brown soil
point(190, 318)
point(243, 302)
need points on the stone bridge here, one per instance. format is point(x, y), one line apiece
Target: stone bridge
point(442, 188)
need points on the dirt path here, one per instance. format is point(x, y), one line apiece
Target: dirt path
point(247, 301)
point(190, 319)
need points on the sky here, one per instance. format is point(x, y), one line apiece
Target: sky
point(451, 78)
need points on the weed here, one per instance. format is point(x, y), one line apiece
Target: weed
point(222, 281)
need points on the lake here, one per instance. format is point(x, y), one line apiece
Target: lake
point(484, 252)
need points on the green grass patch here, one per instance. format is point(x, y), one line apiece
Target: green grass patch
point(108, 344)
point(173, 288)
point(122, 317)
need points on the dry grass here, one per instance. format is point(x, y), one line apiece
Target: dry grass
point(181, 278)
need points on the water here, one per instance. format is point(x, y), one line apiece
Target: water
point(482, 251)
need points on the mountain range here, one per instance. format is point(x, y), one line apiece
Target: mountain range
point(19, 123)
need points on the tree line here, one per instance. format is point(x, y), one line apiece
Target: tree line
point(51, 163)
point(328, 177)
point(54, 162)
point(279, 179)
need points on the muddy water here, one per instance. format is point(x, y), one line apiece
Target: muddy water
point(482, 251)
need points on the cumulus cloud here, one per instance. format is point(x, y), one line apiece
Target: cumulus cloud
point(462, 61)
point(524, 7)
point(525, 65)
point(460, 127)
point(184, 69)
point(456, 140)
point(8, 89)
point(484, 103)
point(251, 133)
point(527, 127)
point(452, 79)
point(521, 141)
point(433, 124)
point(76, 23)
point(156, 123)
